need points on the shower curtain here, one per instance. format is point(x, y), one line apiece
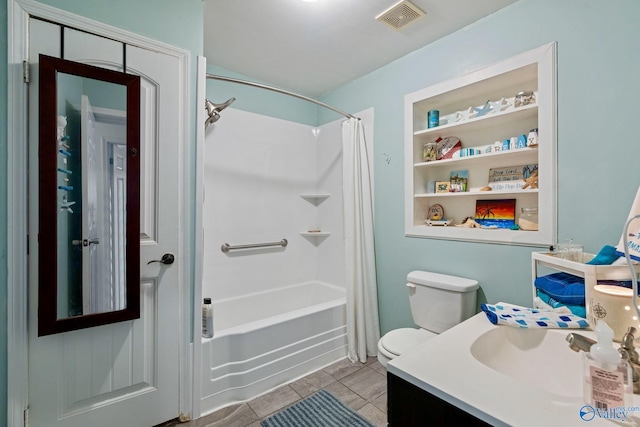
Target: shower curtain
point(363, 329)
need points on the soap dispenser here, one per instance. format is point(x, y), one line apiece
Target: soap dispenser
point(608, 381)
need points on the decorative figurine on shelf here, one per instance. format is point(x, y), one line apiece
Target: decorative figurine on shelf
point(532, 139)
point(484, 109)
point(436, 212)
point(532, 181)
point(496, 106)
point(469, 222)
point(467, 114)
point(450, 118)
point(525, 98)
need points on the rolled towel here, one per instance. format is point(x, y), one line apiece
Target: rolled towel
point(523, 317)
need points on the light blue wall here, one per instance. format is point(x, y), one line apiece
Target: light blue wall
point(177, 22)
point(260, 101)
point(598, 65)
point(598, 149)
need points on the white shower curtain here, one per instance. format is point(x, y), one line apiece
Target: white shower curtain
point(363, 329)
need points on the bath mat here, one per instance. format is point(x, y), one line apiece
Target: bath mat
point(321, 409)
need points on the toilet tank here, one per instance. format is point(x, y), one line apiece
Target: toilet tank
point(439, 301)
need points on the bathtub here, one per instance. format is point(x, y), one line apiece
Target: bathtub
point(271, 338)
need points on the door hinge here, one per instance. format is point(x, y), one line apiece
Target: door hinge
point(25, 71)
point(26, 417)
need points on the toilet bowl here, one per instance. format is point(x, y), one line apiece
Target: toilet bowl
point(398, 341)
point(438, 302)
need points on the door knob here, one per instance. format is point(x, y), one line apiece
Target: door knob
point(167, 259)
point(85, 242)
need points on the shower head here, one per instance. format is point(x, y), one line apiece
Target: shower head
point(213, 110)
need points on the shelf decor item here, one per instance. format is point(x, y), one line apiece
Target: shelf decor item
point(443, 186)
point(496, 213)
point(429, 151)
point(531, 182)
point(433, 117)
point(459, 181)
point(524, 98)
point(447, 146)
point(532, 138)
point(483, 109)
point(436, 212)
point(510, 178)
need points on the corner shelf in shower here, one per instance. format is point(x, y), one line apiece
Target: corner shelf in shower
point(315, 198)
point(315, 237)
point(315, 233)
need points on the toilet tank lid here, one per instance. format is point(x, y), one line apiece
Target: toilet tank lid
point(442, 281)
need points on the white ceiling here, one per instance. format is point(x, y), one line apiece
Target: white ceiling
point(315, 47)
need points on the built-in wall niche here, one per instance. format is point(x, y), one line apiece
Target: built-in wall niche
point(481, 110)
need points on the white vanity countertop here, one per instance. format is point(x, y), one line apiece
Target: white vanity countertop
point(445, 367)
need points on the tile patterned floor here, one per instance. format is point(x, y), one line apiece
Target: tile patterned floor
point(361, 386)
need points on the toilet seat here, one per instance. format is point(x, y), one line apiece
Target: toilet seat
point(398, 341)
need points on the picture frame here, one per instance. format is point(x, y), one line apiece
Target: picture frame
point(496, 213)
point(443, 186)
point(459, 180)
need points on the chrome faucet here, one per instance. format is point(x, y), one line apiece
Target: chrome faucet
point(579, 342)
point(628, 352)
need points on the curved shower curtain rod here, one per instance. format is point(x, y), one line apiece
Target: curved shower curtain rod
point(285, 92)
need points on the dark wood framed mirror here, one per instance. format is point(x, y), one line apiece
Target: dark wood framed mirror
point(89, 196)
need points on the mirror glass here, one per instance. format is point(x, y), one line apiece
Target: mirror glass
point(89, 196)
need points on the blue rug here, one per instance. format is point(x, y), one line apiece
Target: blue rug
point(321, 409)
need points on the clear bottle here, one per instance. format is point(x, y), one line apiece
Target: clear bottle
point(429, 151)
point(207, 318)
point(608, 380)
point(528, 219)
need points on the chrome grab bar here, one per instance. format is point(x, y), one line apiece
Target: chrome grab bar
point(227, 247)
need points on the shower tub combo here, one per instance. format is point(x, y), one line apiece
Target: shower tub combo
point(270, 338)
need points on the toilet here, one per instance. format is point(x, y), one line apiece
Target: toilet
point(438, 302)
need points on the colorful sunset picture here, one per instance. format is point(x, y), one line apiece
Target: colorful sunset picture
point(496, 213)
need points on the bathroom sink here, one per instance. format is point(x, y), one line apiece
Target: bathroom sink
point(538, 357)
point(505, 376)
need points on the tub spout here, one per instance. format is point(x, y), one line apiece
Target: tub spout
point(578, 342)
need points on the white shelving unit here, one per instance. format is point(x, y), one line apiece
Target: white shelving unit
point(590, 273)
point(530, 71)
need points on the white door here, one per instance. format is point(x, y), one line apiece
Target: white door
point(91, 214)
point(124, 374)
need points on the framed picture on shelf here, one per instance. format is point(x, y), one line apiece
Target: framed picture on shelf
point(442, 186)
point(459, 181)
point(496, 213)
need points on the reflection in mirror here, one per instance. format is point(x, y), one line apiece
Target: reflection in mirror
point(91, 222)
point(89, 196)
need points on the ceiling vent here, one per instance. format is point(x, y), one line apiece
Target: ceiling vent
point(400, 15)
